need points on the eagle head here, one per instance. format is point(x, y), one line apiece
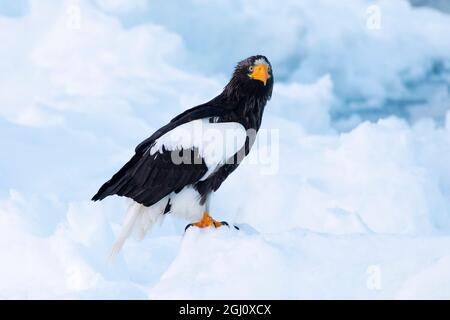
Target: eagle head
point(252, 77)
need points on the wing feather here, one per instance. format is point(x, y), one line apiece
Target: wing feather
point(147, 178)
point(152, 177)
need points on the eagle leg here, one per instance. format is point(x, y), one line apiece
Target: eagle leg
point(207, 221)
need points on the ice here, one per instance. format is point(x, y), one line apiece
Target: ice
point(429, 283)
point(295, 265)
point(350, 193)
point(438, 4)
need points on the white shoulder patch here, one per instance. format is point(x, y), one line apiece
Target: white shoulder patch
point(216, 141)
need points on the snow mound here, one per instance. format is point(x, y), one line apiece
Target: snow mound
point(226, 264)
point(203, 270)
point(384, 177)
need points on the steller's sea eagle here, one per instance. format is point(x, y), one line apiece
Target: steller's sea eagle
point(177, 168)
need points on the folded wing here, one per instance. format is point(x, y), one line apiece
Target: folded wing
point(182, 153)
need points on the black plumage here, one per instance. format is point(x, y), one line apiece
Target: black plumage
point(147, 178)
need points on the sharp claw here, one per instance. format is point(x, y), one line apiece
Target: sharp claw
point(216, 225)
point(236, 227)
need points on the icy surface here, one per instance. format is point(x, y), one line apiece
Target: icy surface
point(348, 196)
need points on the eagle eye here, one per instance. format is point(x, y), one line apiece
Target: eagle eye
point(251, 68)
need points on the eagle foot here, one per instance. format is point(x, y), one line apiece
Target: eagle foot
point(207, 221)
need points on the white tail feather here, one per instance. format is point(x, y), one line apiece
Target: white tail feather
point(141, 219)
point(148, 219)
point(133, 212)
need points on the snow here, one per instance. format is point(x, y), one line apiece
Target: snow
point(303, 264)
point(346, 193)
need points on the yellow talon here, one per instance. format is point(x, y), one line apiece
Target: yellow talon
point(207, 221)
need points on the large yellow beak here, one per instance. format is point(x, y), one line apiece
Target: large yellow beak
point(260, 73)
